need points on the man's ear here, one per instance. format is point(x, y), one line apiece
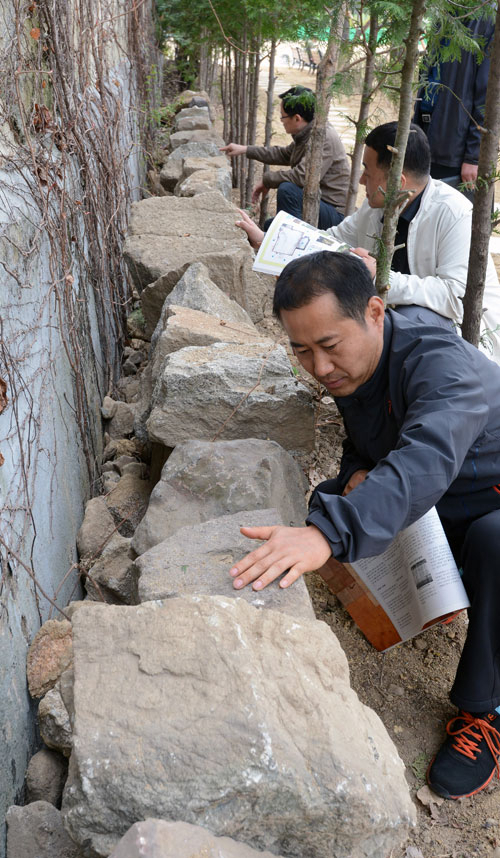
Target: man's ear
point(375, 311)
point(404, 181)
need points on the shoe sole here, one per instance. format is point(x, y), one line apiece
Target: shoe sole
point(445, 794)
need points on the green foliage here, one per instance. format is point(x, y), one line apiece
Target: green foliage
point(304, 97)
point(419, 766)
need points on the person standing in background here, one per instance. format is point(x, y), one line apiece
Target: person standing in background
point(450, 109)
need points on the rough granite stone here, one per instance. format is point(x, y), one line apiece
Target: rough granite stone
point(113, 578)
point(173, 168)
point(97, 528)
point(156, 838)
point(108, 408)
point(192, 164)
point(196, 561)
point(55, 726)
point(50, 653)
point(208, 711)
point(36, 831)
point(127, 502)
point(45, 777)
point(193, 119)
point(178, 138)
point(167, 234)
point(121, 423)
point(204, 181)
point(231, 390)
point(203, 480)
point(197, 291)
point(185, 327)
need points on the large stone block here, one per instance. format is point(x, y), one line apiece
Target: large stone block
point(173, 167)
point(193, 119)
point(167, 234)
point(192, 164)
point(203, 480)
point(36, 831)
point(196, 561)
point(185, 327)
point(181, 137)
point(155, 838)
point(197, 291)
point(204, 181)
point(208, 711)
point(231, 391)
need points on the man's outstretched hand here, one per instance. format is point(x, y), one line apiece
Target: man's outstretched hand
point(254, 232)
point(233, 149)
point(293, 550)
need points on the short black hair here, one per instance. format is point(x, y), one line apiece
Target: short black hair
point(341, 274)
point(301, 100)
point(418, 154)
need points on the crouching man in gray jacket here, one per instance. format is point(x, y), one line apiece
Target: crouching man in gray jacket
point(421, 409)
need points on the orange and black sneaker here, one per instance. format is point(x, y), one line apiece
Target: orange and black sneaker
point(469, 757)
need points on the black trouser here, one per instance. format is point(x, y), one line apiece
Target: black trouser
point(289, 199)
point(476, 547)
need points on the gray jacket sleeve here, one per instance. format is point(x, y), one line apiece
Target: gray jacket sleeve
point(447, 409)
point(271, 154)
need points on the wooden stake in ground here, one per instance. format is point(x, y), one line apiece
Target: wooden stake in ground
point(324, 79)
point(394, 198)
point(487, 174)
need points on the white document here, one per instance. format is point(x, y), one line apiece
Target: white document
point(416, 579)
point(288, 238)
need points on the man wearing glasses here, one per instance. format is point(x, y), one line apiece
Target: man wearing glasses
point(297, 114)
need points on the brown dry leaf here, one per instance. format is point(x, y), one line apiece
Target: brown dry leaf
point(44, 84)
point(2, 460)
point(428, 798)
point(3, 395)
point(35, 33)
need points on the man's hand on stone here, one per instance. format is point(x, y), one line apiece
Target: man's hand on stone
point(233, 149)
point(259, 190)
point(354, 480)
point(254, 232)
point(468, 174)
point(368, 259)
point(293, 550)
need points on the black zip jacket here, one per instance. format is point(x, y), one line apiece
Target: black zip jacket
point(453, 134)
point(427, 426)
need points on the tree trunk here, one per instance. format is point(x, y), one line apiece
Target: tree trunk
point(483, 199)
point(253, 104)
point(204, 60)
point(394, 199)
point(364, 109)
point(242, 112)
point(268, 131)
point(224, 97)
point(325, 74)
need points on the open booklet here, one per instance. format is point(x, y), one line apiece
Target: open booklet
point(414, 584)
point(288, 238)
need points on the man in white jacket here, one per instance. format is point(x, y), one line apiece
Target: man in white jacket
point(430, 272)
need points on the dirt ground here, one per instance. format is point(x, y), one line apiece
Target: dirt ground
point(407, 686)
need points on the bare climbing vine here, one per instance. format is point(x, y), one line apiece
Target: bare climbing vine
point(76, 81)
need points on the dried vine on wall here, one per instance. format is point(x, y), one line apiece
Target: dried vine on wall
point(73, 80)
